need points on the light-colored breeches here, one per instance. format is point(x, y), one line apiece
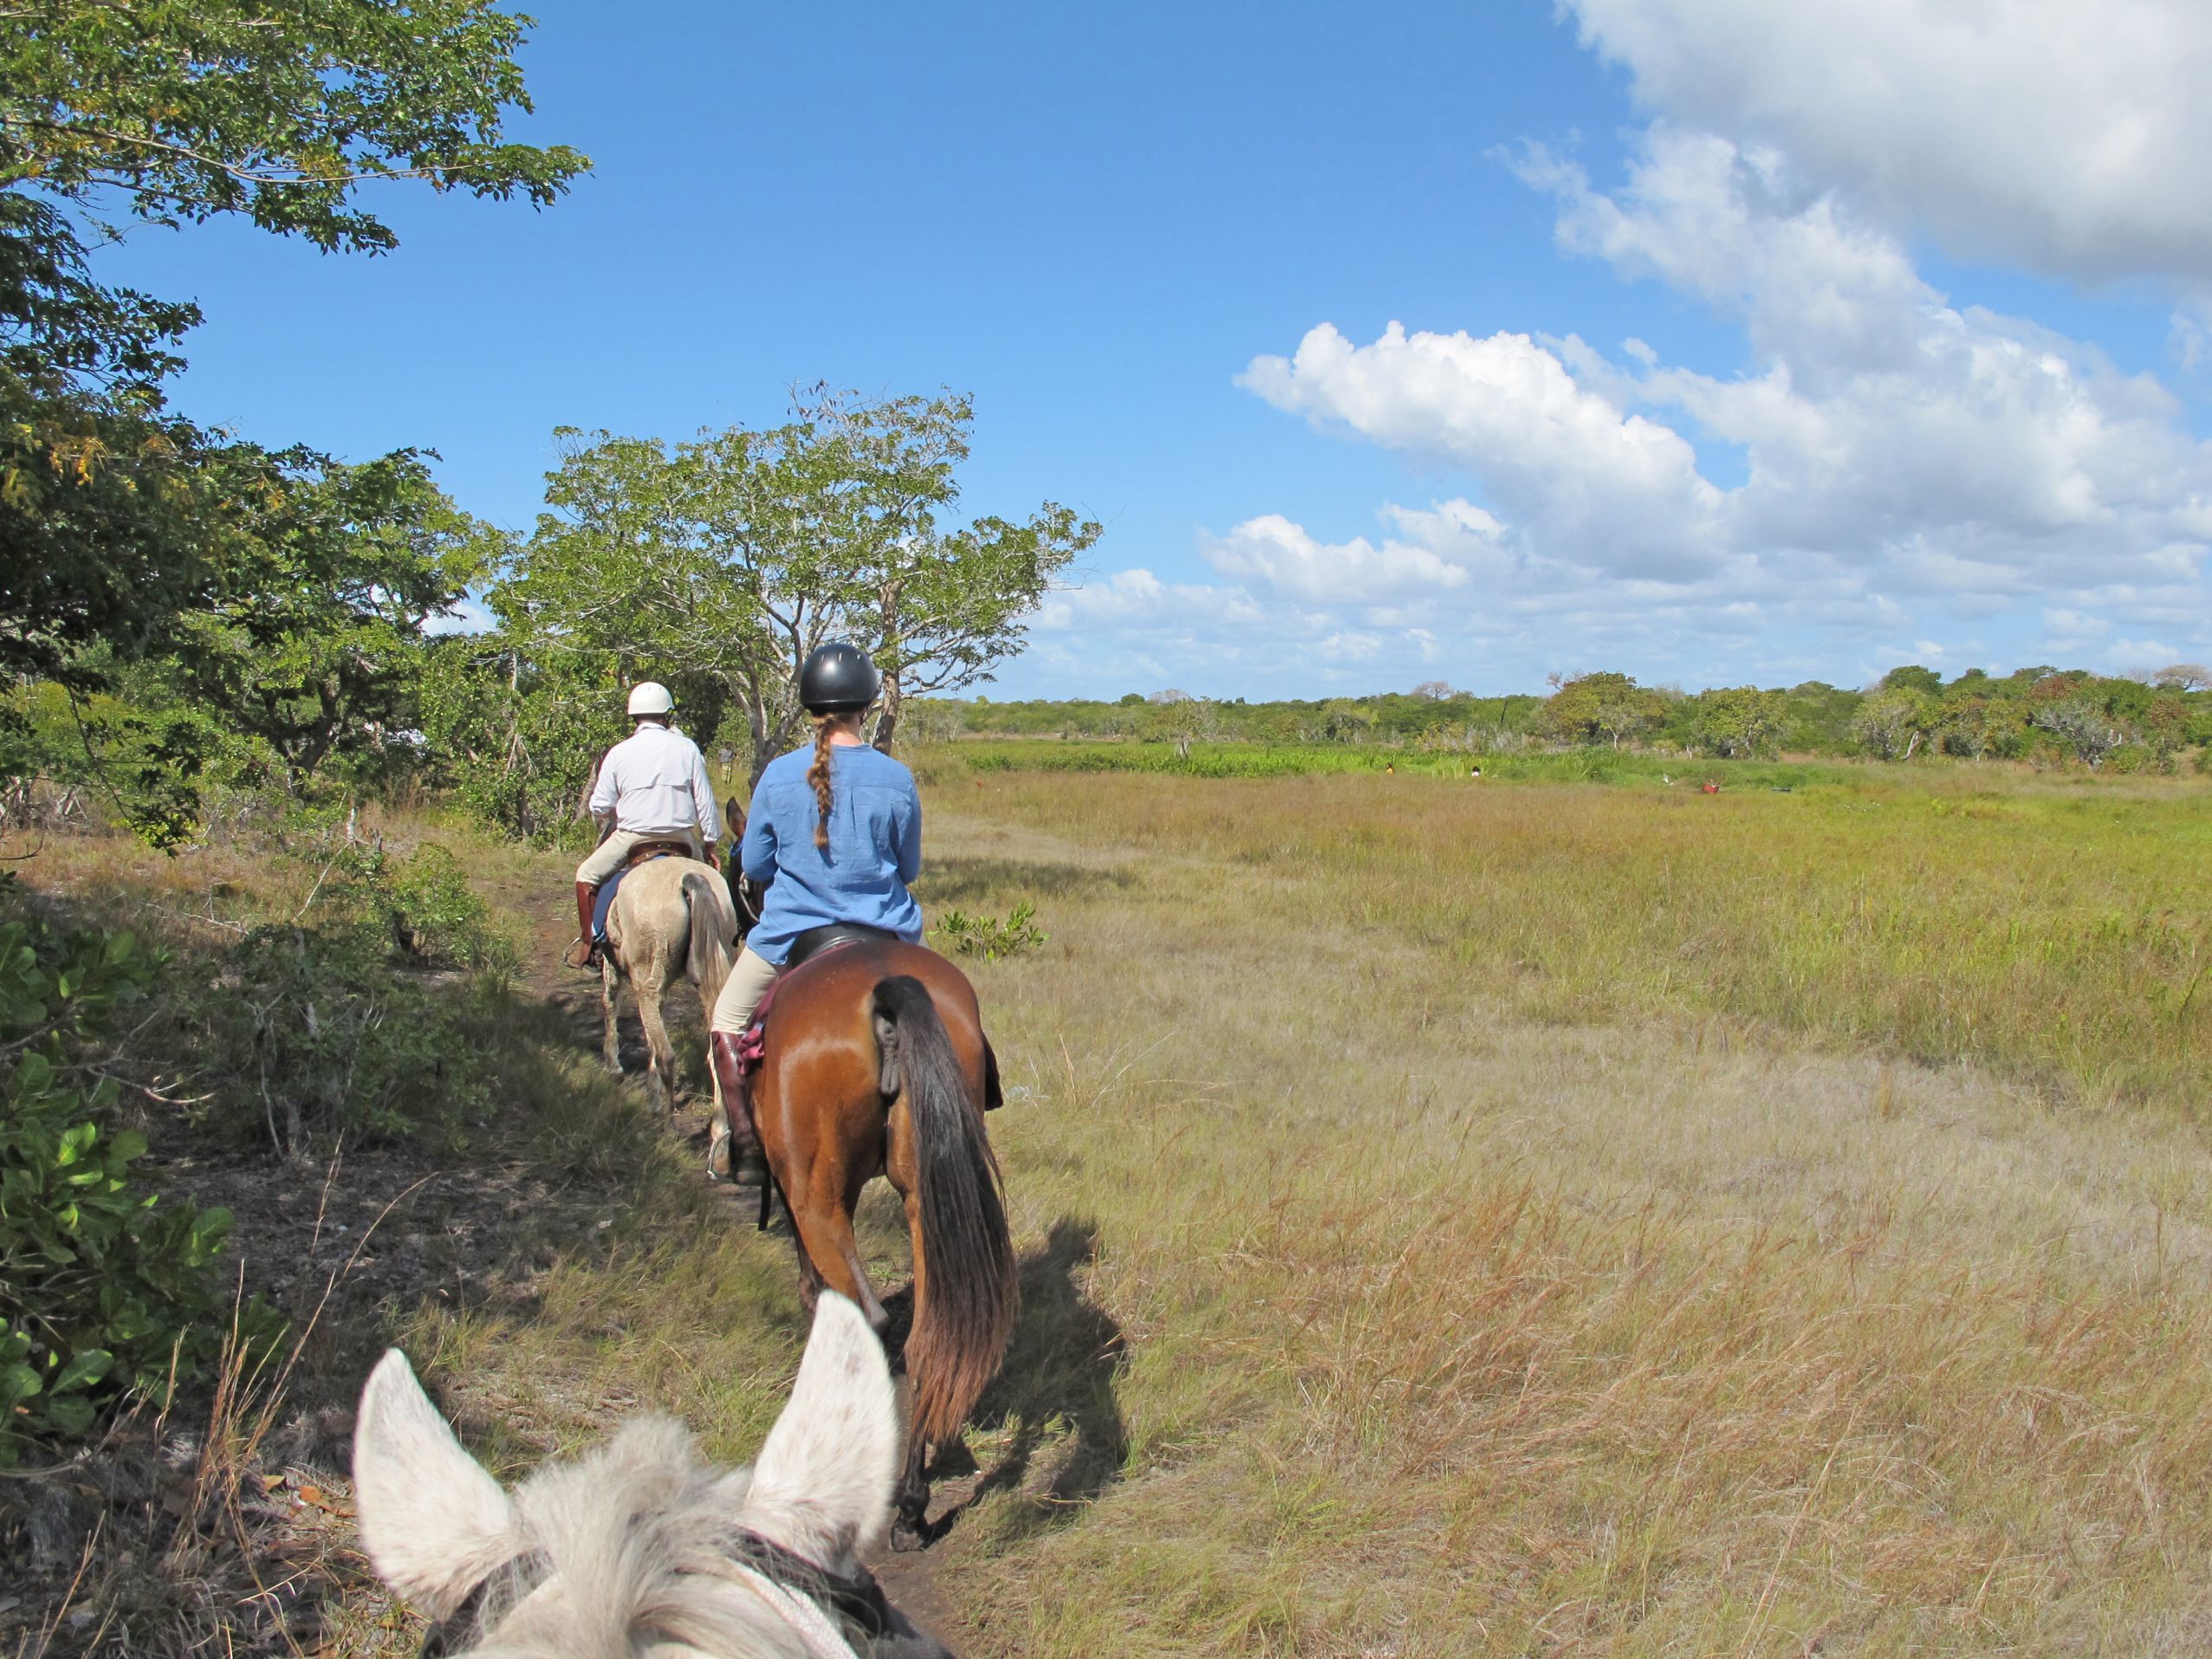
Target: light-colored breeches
point(608, 857)
point(742, 992)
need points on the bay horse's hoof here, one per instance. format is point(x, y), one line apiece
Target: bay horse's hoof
point(907, 1536)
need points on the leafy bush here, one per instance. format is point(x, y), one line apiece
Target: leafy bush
point(989, 937)
point(337, 1028)
point(432, 912)
point(103, 1291)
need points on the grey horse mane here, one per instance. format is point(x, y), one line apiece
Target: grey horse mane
point(631, 1543)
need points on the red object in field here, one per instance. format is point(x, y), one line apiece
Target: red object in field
point(1712, 789)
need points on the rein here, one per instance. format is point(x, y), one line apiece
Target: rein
point(847, 1610)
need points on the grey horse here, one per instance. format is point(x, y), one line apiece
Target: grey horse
point(671, 918)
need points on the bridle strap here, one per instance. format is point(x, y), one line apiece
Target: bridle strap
point(855, 1601)
point(445, 1635)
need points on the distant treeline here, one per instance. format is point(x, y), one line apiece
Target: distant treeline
point(2051, 715)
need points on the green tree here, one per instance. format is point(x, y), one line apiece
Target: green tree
point(1912, 678)
point(277, 109)
point(719, 564)
point(2082, 728)
point(129, 528)
point(1979, 722)
point(1602, 708)
point(1892, 723)
point(1737, 723)
point(947, 604)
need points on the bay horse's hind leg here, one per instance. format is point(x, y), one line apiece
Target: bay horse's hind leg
point(830, 1255)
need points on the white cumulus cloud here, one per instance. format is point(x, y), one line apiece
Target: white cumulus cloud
point(1279, 555)
point(1899, 451)
point(2075, 138)
point(1559, 458)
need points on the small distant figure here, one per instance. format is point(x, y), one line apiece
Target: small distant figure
point(1665, 779)
point(1390, 768)
point(1474, 771)
point(1710, 786)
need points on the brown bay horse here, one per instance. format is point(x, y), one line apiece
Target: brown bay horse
point(875, 1063)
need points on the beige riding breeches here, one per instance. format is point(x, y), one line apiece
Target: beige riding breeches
point(742, 992)
point(608, 857)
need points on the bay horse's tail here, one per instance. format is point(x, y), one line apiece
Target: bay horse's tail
point(965, 1290)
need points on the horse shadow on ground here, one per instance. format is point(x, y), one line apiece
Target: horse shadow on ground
point(963, 881)
point(1056, 1393)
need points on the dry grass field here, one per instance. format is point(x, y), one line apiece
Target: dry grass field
point(1534, 1224)
point(1461, 1219)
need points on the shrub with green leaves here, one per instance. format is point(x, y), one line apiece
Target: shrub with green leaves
point(366, 1017)
point(104, 1290)
point(425, 901)
point(989, 937)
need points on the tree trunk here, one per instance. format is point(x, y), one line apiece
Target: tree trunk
point(887, 722)
point(763, 741)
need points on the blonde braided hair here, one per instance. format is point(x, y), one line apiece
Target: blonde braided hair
point(818, 775)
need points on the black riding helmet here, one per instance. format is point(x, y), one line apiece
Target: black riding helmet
point(838, 679)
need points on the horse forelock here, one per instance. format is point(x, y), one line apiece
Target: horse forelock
point(628, 1551)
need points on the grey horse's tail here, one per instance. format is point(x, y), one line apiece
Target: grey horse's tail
point(708, 954)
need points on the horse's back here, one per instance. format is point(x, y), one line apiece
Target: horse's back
point(651, 905)
point(822, 1041)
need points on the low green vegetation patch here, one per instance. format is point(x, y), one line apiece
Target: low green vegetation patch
point(104, 1290)
point(2057, 928)
point(354, 998)
point(989, 937)
point(1300, 760)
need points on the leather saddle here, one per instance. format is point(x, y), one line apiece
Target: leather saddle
point(645, 851)
point(814, 941)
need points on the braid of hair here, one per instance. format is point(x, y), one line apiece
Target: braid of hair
point(818, 775)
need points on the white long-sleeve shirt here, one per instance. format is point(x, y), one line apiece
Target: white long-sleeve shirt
point(655, 783)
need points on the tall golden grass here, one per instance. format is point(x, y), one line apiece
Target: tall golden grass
point(2058, 931)
point(1499, 1275)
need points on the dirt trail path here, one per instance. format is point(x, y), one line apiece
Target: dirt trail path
point(910, 1579)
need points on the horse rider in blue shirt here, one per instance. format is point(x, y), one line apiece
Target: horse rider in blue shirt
point(835, 832)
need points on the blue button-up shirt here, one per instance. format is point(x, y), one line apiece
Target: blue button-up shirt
point(875, 847)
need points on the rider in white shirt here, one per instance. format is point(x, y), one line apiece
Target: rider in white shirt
point(653, 786)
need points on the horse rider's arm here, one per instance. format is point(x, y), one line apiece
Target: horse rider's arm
point(703, 801)
point(910, 839)
point(606, 789)
point(757, 851)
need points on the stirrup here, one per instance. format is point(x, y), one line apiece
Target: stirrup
point(582, 954)
point(745, 1166)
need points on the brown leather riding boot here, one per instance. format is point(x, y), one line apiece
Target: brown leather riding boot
point(742, 1160)
point(580, 953)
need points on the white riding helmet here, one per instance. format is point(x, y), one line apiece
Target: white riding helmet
point(650, 698)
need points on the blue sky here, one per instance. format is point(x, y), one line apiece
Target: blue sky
point(1913, 379)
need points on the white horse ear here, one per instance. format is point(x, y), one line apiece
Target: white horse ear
point(434, 1523)
point(821, 1485)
